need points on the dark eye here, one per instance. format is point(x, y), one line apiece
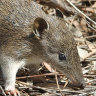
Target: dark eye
point(62, 56)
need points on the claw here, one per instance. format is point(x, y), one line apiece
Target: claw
point(12, 92)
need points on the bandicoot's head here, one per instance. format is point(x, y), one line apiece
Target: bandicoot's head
point(59, 49)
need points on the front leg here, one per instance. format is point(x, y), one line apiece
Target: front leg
point(9, 69)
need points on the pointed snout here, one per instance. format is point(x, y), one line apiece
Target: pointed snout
point(77, 84)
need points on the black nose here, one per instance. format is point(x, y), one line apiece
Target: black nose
point(82, 86)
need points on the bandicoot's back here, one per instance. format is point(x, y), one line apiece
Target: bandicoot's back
point(29, 36)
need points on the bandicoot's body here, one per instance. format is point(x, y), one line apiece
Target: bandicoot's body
point(29, 36)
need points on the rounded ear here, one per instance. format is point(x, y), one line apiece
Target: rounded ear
point(39, 26)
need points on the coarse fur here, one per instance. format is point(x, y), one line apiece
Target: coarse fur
point(29, 36)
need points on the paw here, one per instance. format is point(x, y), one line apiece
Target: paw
point(12, 92)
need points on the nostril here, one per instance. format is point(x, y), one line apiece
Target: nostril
point(82, 86)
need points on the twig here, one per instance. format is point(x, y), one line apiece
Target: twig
point(90, 76)
point(37, 88)
point(58, 83)
point(88, 23)
point(66, 83)
point(90, 54)
point(3, 93)
point(72, 92)
point(80, 11)
point(56, 79)
point(47, 74)
point(89, 37)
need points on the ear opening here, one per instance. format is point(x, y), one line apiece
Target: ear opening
point(39, 26)
point(59, 13)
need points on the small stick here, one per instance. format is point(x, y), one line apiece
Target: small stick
point(36, 87)
point(89, 37)
point(90, 76)
point(90, 54)
point(80, 11)
point(58, 83)
point(56, 79)
point(66, 83)
point(47, 74)
point(3, 93)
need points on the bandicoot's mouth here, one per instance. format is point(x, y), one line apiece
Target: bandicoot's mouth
point(76, 83)
point(77, 87)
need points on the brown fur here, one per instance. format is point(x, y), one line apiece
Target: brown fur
point(19, 19)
